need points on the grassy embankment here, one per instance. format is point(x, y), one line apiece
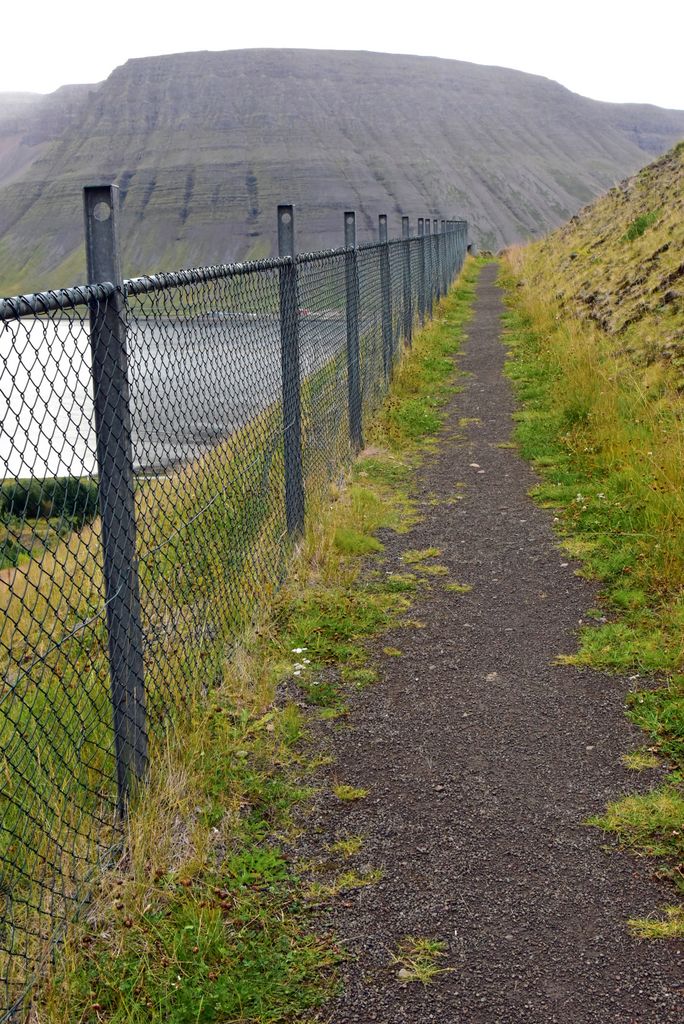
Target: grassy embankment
point(206, 919)
point(596, 331)
point(58, 817)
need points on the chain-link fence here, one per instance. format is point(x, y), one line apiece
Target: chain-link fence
point(161, 440)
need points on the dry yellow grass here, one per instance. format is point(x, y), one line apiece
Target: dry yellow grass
point(629, 416)
point(620, 263)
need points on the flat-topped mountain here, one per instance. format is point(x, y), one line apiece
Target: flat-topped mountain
point(204, 145)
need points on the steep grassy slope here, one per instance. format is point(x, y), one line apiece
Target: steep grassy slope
point(595, 329)
point(620, 262)
point(204, 145)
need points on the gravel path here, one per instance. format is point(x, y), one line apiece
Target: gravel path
point(483, 758)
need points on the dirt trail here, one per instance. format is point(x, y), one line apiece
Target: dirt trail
point(483, 758)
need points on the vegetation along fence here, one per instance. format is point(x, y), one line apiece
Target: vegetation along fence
point(160, 439)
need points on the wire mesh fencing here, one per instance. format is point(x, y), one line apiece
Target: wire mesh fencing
point(161, 440)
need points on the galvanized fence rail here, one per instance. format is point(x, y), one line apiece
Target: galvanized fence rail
point(161, 440)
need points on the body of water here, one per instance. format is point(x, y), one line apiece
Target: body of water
point(193, 381)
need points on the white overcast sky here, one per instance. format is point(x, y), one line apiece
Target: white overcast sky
point(618, 50)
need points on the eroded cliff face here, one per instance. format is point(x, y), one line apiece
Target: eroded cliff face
point(204, 145)
point(619, 264)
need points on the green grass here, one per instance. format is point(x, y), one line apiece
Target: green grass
point(347, 847)
point(671, 926)
point(610, 451)
point(56, 721)
point(419, 960)
point(660, 712)
point(228, 950)
point(200, 924)
point(640, 224)
point(352, 542)
point(415, 556)
point(615, 514)
point(650, 823)
point(640, 760)
point(420, 388)
point(349, 794)
point(401, 583)
point(432, 570)
point(322, 892)
point(359, 678)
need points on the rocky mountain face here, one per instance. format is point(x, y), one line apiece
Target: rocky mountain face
point(619, 263)
point(204, 145)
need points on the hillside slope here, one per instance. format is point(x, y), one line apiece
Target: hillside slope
point(204, 145)
point(620, 262)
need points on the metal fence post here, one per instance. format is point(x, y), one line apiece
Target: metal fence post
point(386, 296)
point(421, 271)
point(351, 270)
point(429, 282)
point(443, 260)
point(117, 504)
point(435, 258)
point(462, 241)
point(437, 248)
point(450, 243)
point(289, 360)
point(408, 297)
